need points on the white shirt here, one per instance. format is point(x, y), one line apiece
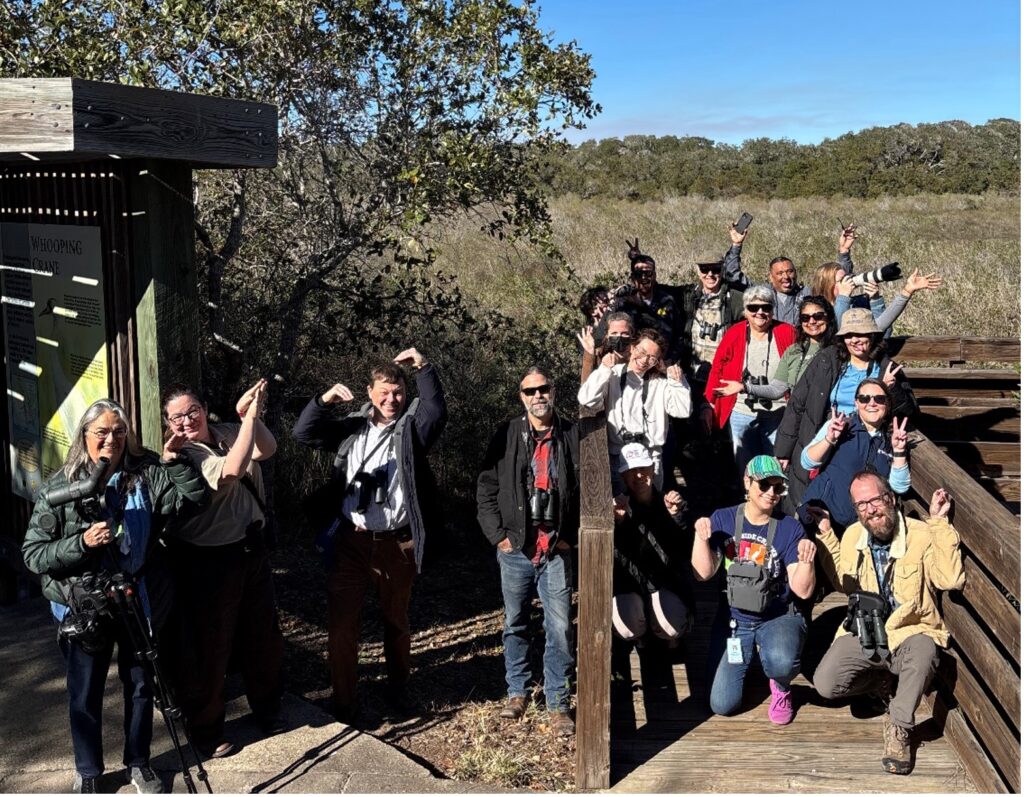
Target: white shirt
point(625, 408)
point(383, 462)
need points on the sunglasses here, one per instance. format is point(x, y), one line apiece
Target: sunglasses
point(531, 391)
point(805, 317)
point(865, 399)
point(709, 268)
point(779, 488)
point(760, 308)
point(643, 274)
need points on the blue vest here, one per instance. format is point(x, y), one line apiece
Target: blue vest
point(856, 450)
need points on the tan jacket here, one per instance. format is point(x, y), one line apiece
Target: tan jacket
point(924, 558)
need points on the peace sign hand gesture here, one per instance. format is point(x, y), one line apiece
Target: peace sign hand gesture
point(899, 437)
point(836, 426)
point(889, 377)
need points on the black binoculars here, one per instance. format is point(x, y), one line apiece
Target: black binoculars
point(865, 616)
point(752, 401)
point(369, 486)
point(544, 506)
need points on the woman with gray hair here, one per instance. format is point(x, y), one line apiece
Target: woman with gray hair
point(750, 352)
point(66, 541)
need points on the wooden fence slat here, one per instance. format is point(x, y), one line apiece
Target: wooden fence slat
point(961, 738)
point(993, 607)
point(980, 350)
point(966, 423)
point(998, 740)
point(986, 527)
point(995, 672)
point(1000, 375)
point(1003, 458)
point(594, 650)
point(951, 349)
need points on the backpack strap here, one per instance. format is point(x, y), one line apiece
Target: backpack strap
point(773, 524)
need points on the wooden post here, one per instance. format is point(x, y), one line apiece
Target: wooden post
point(594, 648)
point(166, 299)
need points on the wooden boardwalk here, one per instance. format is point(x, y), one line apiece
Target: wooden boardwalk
point(663, 738)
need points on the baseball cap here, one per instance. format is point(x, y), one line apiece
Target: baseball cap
point(634, 455)
point(763, 466)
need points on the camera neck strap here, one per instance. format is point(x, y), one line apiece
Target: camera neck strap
point(768, 353)
point(643, 395)
point(386, 437)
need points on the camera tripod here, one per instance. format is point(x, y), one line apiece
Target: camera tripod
point(123, 593)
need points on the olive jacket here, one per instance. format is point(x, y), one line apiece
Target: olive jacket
point(54, 546)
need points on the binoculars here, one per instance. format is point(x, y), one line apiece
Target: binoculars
point(369, 486)
point(544, 506)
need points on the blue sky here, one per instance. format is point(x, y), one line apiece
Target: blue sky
point(730, 71)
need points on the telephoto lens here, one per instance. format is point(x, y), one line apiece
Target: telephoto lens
point(886, 273)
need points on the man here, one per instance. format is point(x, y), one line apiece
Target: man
point(649, 304)
point(378, 508)
point(614, 334)
point(528, 508)
point(906, 562)
point(781, 278)
point(638, 400)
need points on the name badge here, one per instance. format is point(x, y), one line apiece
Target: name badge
point(734, 650)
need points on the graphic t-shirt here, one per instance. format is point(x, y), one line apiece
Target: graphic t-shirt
point(754, 547)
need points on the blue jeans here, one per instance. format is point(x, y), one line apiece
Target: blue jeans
point(753, 435)
point(87, 675)
point(552, 580)
point(779, 645)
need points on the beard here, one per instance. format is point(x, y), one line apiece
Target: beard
point(540, 409)
point(882, 526)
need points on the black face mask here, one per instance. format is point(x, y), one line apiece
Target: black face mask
point(616, 343)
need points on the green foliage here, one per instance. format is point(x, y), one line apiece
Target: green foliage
point(947, 157)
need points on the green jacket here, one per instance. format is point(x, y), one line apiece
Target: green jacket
point(54, 546)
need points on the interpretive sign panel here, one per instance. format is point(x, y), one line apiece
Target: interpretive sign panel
point(51, 281)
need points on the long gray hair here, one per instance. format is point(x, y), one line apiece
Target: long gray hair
point(77, 463)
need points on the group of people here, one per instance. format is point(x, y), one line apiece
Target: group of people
point(711, 390)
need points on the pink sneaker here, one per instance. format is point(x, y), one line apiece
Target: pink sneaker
point(780, 709)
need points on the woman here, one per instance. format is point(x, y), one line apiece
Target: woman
point(757, 533)
point(830, 382)
point(817, 329)
point(638, 396)
point(61, 545)
point(871, 439)
point(223, 571)
point(750, 351)
point(649, 588)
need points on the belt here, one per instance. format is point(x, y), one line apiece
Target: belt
point(401, 533)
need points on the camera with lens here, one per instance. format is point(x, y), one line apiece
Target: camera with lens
point(632, 437)
point(92, 607)
point(866, 614)
point(369, 487)
point(753, 401)
point(544, 506)
point(709, 331)
point(886, 273)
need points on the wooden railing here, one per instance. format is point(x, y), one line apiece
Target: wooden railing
point(978, 695)
point(594, 654)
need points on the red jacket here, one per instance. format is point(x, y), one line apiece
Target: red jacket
point(728, 363)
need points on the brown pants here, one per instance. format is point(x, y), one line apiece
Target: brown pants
point(227, 598)
point(388, 565)
point(846, 671)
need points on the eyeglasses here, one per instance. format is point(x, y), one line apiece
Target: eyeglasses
point(640, 355)
point(877, 502)
point(119, 433)
point(764, 485)
point(805, 317)
point(531, 391)
point(871, 398)
point(759, 308)
point(709, 268)
point(191, 414)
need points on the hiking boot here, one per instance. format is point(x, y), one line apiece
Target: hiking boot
point(561, 722)
point(514, 708)
point(84, 785)
point(144, 780)
point(780, 708)
point(896, 752)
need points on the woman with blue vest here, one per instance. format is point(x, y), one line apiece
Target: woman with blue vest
point(872, 438)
